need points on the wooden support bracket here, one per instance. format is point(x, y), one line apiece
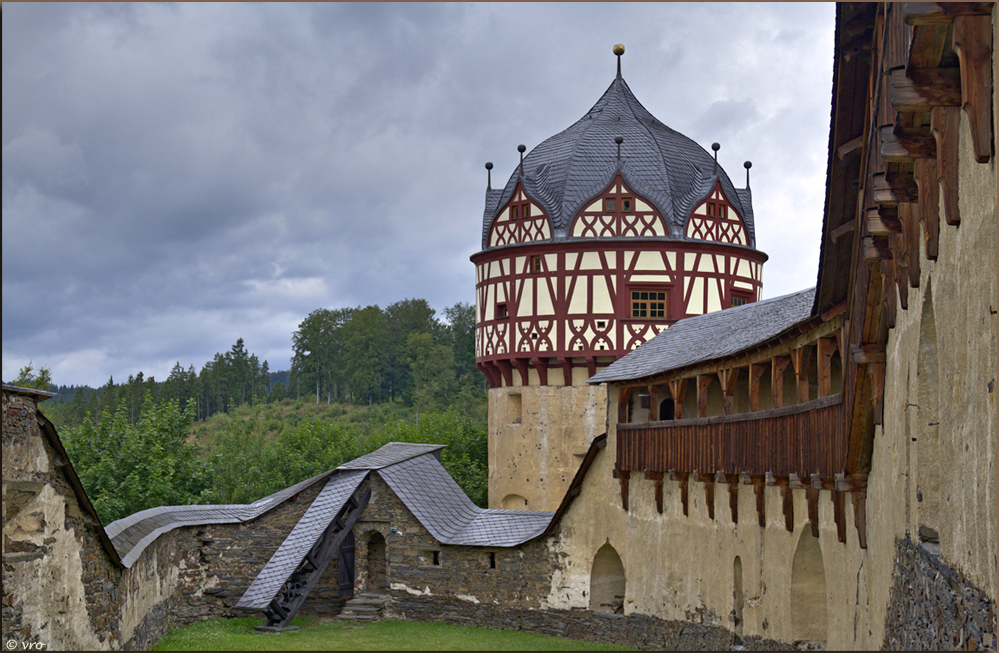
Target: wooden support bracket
point(827, 348)
point(813, 509)
point(709, 490)
point(860, 515)
point(681, 478)
point(624, 477)
point(927, 177)
point(657, 478)
point(541, 365)
point(785, 492)
point(908, 214)
point(839, 515)
point(728, 378)
point(802, 363)
point(945, 123)
point(876, 248)
point(973, 45)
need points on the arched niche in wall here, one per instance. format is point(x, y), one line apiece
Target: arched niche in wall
point(738, 596)
point(514, 502)
point(607, 582)
point(809, 621)
point(927, 425)
point(377, 561)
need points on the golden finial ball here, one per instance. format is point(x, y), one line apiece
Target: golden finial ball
point(619, 49)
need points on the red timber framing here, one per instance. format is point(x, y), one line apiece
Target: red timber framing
point(715, 219)
point(618, 212)
point(576, 312)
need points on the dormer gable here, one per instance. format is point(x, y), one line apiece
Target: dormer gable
point(521, 220)
point(716, 219)
point(618, 212)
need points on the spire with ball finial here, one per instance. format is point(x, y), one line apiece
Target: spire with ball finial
point(619, 50)
point(489, 175)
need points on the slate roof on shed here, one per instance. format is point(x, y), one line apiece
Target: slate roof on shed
point(303, 536)
point(131, 535)
point(569, 169)
point(443, 508)
point(427, 490)
point(713, 335)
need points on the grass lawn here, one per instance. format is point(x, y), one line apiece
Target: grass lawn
point(387, 635)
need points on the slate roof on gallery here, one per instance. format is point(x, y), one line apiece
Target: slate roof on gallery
point(706, 337)
point(662, 165)
point(414, 473)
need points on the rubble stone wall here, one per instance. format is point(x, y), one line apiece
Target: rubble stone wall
point(932, 605)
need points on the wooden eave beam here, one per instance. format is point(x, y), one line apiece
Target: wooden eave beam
point(973, 45)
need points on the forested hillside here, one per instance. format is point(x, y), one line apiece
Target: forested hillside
point(235, 431)
point(403, 353)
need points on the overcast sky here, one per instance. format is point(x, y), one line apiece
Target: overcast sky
point(178, 176)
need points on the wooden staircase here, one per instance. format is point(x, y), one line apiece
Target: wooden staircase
point(366, 606)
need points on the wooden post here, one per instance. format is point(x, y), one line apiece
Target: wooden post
point(678, 388)
point(756, 371)
point(703, 381)
point(802, 366)
point(728, 378)
point(623, 401)
point(777, 366)
point(827, 347)
point(653, 403)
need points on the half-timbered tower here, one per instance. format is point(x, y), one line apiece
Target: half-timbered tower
point(604, 235)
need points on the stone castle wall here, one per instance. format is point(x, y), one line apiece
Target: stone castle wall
point(64, 590)
point(538, 436)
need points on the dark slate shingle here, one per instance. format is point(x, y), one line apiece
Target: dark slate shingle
point(712, 335)
point(569, 169)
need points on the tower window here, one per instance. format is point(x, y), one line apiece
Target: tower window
point(514, 211)
point(535, 264)
point(740, 298)
point(501, 311)
point(626, 204)
point(525, 211)
point(648, 304)
point(609, 205)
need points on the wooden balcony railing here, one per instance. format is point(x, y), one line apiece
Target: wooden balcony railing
point(808, 438)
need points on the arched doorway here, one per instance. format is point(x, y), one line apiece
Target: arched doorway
point(607, 582)
point(667, 409)
point(377, 573)
point(808, 590)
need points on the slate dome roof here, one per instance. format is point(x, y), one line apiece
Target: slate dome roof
point(662, 165)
